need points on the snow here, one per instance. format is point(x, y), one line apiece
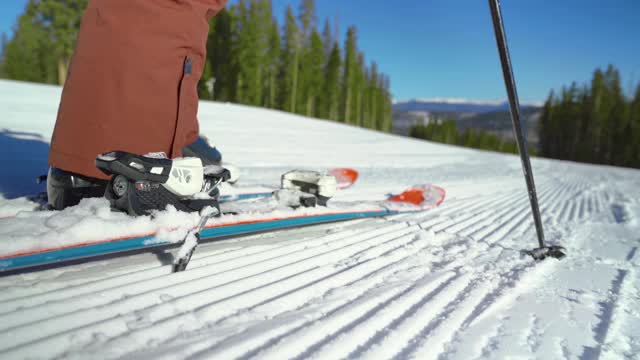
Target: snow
point(447, 283)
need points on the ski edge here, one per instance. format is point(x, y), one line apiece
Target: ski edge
point(91, 251)
point(79, 253)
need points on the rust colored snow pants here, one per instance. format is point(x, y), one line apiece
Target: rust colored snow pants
point(132, 82)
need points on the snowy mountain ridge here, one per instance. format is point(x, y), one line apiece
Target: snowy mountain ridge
point(449, 283)
point(453, 100)
point(458, 105)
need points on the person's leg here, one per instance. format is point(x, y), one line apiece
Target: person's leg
point(138, 95)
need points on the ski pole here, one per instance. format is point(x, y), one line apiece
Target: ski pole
point(514, 106)
point(192, 239)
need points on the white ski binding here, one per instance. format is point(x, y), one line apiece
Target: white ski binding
point(306, 188)
point(143, 184)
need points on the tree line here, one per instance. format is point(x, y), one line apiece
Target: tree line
point(293, 67)
point(43, 41)
point(251, 59)
point(446, 132)
point(595, 123)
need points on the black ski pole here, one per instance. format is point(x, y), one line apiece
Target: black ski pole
point(501, 39)
point(192, 240)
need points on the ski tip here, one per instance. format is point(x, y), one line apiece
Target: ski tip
point(425, 195)
point(345, 176)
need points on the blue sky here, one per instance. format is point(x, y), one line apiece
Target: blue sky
point(445, 48)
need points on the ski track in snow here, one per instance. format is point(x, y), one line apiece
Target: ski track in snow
point(449, 283)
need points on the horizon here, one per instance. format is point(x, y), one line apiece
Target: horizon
point(467, 101)
point(443, 49)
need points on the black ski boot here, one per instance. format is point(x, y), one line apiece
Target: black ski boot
point(66, 189)
point(210, 157)
point(203, 150)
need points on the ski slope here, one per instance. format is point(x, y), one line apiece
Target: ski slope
point(449, 283)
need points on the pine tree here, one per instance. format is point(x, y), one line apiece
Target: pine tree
point(203, 83)
point(315, 80)
point(327, 38)
point(252, 43)
point(308, 17)
point(374, 103)
point(204, 92)
point(544, 125)
point(567, 138)
point(290, 63)
point(367, 121)
point(633, 144)
point(584, 147)
point(273, 66)
point(387, 106)
point(331, 90)
point(219, 51)
point(349, 78)
point(61, 20)
point(261, 17)
point(28, 56)
point(617, 118)
point(358, 90)
point(450, 132)
point(599, 116)
point(3, 49)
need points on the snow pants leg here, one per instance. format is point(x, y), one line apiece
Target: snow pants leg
point(132, 82)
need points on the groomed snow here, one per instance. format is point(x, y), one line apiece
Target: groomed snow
point(449, 283)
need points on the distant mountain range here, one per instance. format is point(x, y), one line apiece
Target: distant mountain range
point(492, 116)
point(455, 105)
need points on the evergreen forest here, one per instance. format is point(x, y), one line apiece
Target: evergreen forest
point(594, 123)
point(446, 132)
point(298, 66)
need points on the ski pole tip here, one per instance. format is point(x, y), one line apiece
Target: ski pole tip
point(541, 253)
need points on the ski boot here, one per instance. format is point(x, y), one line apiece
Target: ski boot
point(203, 150)
point(306, 188)
point(66, 189)
point(141, 184)
point(210, 156)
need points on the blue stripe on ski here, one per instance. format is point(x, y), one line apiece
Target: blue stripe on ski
point(74, 253)
point(245, 196)
point(113, 247)
point(287, 223)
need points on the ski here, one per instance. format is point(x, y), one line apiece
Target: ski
point(248, 218)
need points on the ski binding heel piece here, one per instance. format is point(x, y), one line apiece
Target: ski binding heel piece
point(141, 184)
point(295, 198)
point(322, 186)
